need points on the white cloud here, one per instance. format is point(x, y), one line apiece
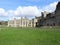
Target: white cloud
point(2, 11)
point(28, 10)
point(11, 13)
point(21, 11)
point(51, 7)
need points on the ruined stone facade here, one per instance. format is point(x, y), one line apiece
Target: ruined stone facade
point(23, 22)
point(50, 19)
point(57, 14)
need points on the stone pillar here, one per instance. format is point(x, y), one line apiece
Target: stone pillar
point(8, 23)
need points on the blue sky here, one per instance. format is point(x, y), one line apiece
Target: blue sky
point(14, 5)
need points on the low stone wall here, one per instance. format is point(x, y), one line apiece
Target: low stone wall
point(50, 27)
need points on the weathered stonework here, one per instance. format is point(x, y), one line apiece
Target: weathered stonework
point(23, 22)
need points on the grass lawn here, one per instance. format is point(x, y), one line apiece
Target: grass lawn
point(29, 36)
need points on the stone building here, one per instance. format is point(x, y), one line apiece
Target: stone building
point(50, 19)
point(47, 19)
point(34, 21)
point(23, 22)
point(57, 14)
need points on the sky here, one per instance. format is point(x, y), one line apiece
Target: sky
point(29, 8)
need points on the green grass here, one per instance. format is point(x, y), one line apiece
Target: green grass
point(29, 36)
